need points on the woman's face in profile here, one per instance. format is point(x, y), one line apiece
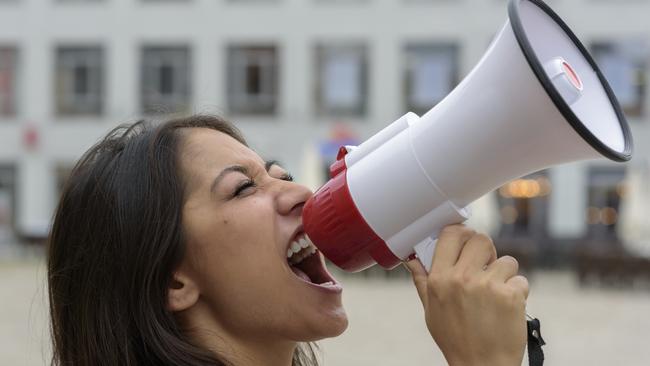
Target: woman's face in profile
point(240, 217)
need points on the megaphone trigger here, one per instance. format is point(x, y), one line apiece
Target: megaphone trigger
point(424, 251)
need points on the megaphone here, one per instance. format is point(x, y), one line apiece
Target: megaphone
point(535, 99)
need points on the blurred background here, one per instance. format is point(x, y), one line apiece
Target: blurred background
point(301, 78)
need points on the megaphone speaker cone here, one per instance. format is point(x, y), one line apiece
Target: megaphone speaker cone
point(596, 115)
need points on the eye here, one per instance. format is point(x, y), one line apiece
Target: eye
point(288, 177)
point(243, 187)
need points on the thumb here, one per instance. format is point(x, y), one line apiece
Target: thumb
point(419, 275)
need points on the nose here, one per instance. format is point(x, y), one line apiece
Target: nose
point(291, 198)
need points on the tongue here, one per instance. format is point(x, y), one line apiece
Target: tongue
point(300, 273)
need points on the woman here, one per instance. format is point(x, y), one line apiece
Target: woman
point(176, 244)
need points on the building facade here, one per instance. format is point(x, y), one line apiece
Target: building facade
point(294, 75)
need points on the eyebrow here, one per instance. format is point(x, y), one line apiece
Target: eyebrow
point(238, 169)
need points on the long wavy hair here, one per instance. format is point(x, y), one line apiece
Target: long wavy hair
point(115, 242)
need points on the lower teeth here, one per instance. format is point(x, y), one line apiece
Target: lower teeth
point(329, 283)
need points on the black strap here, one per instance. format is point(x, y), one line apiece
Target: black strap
point(535, 343)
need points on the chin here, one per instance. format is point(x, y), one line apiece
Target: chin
point(329, 327)
point(338, 327)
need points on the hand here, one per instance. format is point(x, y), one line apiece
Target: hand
point(474, 304)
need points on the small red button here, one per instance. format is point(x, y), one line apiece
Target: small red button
point(573, 76)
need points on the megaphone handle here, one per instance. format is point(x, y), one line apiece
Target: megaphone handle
point(425, 250)
point(433, 222)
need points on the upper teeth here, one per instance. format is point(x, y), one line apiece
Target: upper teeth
point(303, 246)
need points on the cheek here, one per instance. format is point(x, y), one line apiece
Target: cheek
point(239, 250)
point(246, 232)
point(245, 281)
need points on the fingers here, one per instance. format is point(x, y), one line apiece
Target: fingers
point(450, 244)
point(503, 269)
point(519, 283)
point(478, 252)
point(416, 268)
point(419, 275)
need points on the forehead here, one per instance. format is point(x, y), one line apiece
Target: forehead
point(205, 148)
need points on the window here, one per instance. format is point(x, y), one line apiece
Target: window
point(431, 73)
point(605, 190)
point(523, 204)
point(624, 65)
point(166, 79)
point(79, 80)
point(341, 79)
point(252, 79)
point(8, 64)
point(7, 206)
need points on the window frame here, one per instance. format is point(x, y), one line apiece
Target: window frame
point(322, 51)
point(156, 57)
point(239, 100)
point(407, 71)
point(638, 110)
point(12, 96)
point(66, 101)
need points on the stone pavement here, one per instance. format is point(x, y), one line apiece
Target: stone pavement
point(582, 326)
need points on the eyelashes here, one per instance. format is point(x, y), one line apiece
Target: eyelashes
point(249, 183)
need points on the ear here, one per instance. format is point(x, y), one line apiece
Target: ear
point(183, 292)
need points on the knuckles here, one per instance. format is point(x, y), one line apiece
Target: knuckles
point(460, 280)
point(482, 238)
point(512, 298)
point(458, 285)
point(510, 261)
point(484, 241)
point(454, 284)
point(455, 231)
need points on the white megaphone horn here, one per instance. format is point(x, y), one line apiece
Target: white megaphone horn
point(536, 99)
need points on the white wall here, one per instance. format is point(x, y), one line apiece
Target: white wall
point(208, 26)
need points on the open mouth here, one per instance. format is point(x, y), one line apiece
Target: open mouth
point(307, 264)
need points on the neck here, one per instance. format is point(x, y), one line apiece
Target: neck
point(235, 346)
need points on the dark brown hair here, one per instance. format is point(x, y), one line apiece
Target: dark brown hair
point(115, 242)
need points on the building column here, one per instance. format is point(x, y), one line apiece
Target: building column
point(35, 196)
point(568, 201)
